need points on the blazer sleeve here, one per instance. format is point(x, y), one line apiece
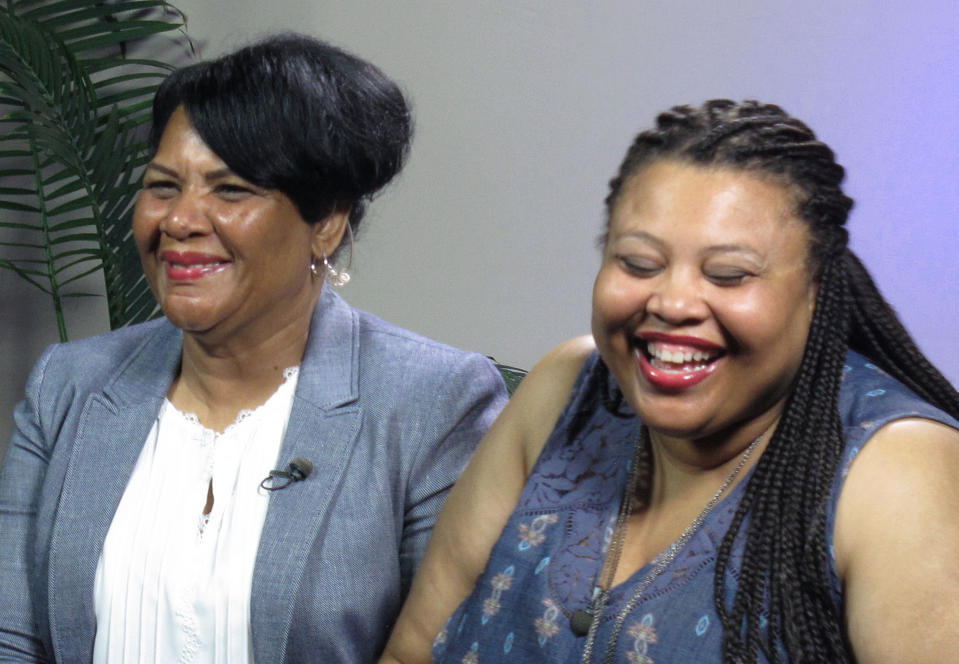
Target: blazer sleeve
point(21, 481)
point(469, 399)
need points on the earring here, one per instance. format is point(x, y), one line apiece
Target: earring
point(334, 277)
point(331, 274)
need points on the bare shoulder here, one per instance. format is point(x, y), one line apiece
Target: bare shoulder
point(906, 462)
point(905, 475)
point(544, 392)
point(897, 542)
point(557, 370)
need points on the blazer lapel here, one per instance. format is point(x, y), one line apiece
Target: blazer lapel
point(323, 423)
point(114, 425)
point(109, 436)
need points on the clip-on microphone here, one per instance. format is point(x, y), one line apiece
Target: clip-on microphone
point(296, 471)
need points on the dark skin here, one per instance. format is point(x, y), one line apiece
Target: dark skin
point(229, 263)
point(676, 264)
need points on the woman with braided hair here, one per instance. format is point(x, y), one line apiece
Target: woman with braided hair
point(756, 462)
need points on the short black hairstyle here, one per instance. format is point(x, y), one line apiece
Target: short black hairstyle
point(295, 114)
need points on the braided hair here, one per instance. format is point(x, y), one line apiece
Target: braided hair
point(782, 516)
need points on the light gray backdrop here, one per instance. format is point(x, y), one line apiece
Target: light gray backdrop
point(524, 109)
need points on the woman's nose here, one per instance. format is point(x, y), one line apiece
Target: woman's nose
point(677, 299)
point(185, 217)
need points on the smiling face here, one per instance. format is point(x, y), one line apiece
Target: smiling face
point(225, 259)
point(702, 305)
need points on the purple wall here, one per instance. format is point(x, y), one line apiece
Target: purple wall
point(879, 82)
point(525, 107)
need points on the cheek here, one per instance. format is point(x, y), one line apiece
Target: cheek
point(145, 225)
point(769, 319)
point(262, 236)
point(616, 300)
point(286, 244)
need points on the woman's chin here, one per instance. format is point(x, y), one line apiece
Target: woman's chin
point(189, 319)
point(680, 416)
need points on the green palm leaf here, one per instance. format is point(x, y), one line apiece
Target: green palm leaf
point(73, 110)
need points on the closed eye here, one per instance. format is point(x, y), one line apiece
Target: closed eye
point(161, 188)
point(641, 267)
point(232, 192)
point(727, 277)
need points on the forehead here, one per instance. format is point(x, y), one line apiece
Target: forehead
point(180, 139)
point(672, 199)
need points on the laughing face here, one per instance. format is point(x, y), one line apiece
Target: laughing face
point(702, 305)
point(224, 258)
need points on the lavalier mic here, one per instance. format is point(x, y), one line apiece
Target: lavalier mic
point(580, 622)
point(296, 471)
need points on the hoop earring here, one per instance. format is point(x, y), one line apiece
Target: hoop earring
point(340, 277)
point(333, 276)
point(314, 270)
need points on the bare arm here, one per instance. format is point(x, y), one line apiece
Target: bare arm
point(481, 502)
point(897, 545)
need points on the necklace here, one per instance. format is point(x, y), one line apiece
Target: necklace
point(601, 592)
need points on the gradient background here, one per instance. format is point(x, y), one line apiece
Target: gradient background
point(524, 109)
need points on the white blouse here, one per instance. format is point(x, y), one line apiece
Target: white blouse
point(173, 585)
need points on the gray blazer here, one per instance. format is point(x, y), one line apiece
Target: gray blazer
point(388, 419)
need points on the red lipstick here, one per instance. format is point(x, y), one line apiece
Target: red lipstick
point(190, 265)
point(673, 381)
point(681, 340)
point(681, 375)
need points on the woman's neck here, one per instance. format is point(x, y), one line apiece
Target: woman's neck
point(219, 380)
point(684, 466)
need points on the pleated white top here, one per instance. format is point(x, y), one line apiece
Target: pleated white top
point(173, 585)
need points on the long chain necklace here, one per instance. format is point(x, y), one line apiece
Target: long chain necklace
point(601, 592)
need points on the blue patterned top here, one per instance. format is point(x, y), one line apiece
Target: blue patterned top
point(544, 566)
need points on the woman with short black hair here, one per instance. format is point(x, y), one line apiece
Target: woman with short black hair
point(326, 128)
point(254, 476)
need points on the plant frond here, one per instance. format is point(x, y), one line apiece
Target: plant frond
point(16, 207)
point(24, 275)
point(72, 108)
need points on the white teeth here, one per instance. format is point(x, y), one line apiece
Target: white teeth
point(678, 356)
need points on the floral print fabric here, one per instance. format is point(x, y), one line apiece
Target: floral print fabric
point(546, 562)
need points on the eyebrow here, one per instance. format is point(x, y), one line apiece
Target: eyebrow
point(728, 248)
point(212, 175)
point(153, 166)
point(731, 248)
point(643, 235)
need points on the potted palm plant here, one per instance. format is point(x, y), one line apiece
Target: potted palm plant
point(75, 95)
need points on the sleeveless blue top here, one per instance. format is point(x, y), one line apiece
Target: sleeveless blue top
point(549, 555)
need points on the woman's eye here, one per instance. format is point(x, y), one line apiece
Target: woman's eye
point(642, 267)
point(727, 277)
point(232, 191)
point(161, 188)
